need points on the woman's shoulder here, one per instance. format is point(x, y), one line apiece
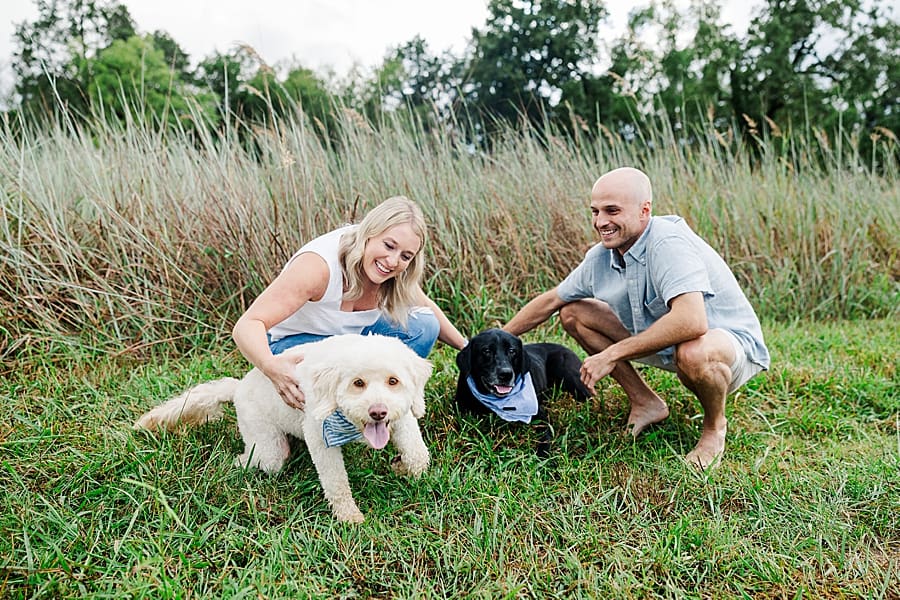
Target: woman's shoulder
point(325, 244)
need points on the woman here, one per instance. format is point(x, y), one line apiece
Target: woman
point(357, 279)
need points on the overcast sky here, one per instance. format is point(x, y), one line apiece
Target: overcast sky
point(315, 33)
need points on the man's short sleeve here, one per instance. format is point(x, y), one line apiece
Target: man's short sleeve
point(678, 268)
point(580, 282)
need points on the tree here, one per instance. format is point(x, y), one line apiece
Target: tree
point(131, 80)
point(176, 58)
point(308, 93)
point(528, 56)
point(412, 77)
point(51, 53)
point(676, 64)
point(225, 76)
point(826, 63)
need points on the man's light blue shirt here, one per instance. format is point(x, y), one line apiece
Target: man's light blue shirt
point(668, 260)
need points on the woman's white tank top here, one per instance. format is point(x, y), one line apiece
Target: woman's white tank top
point(325, 316)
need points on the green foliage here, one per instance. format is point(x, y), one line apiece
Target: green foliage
point(804, 504)
point(176, 58)
point(52, 52)
point(676, 63)
point(829, 64)
point(251, 93)
point(529, 52)
point(130, 80)
point(123, 236)
point(804, 68)
point(424, 86)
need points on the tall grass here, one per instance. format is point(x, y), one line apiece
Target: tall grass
point(116, 242)
point(134, 236)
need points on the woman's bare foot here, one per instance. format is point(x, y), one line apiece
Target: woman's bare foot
point(645, 413)
point(709, 449)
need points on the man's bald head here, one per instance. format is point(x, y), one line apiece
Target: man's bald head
point(626, 183)
point(620, 207)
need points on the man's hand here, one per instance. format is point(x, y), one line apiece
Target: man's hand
point(281, 371)
point(596, 367)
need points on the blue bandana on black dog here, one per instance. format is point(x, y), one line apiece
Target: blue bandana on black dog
point(519, 405)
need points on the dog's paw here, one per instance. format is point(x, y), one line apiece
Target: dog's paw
point(348, 513)
point(242, 461)
point(409, 468)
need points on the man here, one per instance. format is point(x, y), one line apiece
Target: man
point(654, 292)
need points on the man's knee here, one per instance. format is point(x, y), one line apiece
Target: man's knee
point(591, 314)
point(696, 358)
point(690, 355)
point(569, 317)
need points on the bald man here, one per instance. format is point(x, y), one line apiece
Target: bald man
point(653, 292)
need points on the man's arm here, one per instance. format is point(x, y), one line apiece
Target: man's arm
point(538, 310)
point(686, 320)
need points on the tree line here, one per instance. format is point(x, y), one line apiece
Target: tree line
point(828, 68)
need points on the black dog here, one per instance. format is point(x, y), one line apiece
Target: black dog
point(494, 372)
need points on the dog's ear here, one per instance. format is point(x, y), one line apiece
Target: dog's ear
point(419, 370)
point(321, 400)
point(462, 358)
point(521, 363)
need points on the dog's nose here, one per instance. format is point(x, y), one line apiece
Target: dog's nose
point(377, 412)
point(505, 374)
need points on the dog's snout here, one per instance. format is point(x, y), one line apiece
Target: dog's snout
point(505, 374)
point(377, 412)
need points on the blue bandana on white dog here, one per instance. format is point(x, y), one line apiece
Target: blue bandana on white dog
point(519, 405)
point(337, 430)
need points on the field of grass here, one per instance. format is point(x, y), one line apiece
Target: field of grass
point(130, 238)
point(805, 504)
point(125, 256)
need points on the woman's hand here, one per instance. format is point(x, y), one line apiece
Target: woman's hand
point(281, 370)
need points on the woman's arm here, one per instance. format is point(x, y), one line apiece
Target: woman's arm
point(304, 279)
point(448, 334)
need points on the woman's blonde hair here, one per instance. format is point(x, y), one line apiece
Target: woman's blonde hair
point(398, 294)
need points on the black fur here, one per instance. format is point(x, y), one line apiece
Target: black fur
point(495, 357)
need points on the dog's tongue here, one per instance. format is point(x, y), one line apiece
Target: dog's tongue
point(502, 390)
point(377, 434)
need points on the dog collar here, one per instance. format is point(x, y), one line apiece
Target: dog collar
point(519, 405)
point(337, 430)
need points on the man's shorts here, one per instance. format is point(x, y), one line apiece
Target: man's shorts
point(742, 369)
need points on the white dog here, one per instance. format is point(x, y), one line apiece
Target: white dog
point(367, 388)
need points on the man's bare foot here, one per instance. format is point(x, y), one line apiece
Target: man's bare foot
point(646, 413)
point(709, 449)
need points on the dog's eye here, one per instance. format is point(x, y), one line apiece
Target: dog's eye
point(393, 381)
point(359, 383)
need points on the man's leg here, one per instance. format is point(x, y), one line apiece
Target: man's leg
point(704, 367)
point(595, 327)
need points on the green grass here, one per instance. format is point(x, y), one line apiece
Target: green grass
point(805, 504)
point(126, 255)
point(136, 237)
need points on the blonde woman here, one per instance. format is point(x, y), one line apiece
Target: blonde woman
point(363, 278)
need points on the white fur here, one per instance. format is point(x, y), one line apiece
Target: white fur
point(330, 375)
